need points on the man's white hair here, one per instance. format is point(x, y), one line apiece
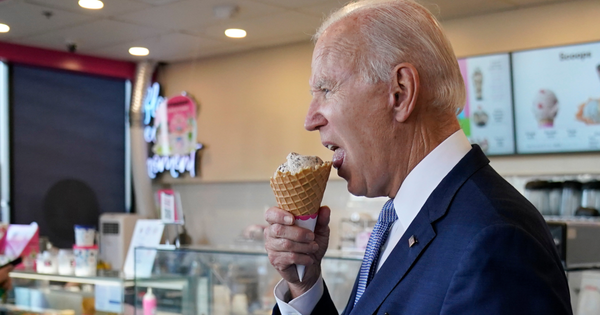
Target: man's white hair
point(396, 31)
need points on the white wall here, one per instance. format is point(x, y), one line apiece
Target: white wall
point(218, 208)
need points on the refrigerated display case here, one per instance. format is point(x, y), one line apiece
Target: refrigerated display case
point(37, 293)
point(203, 280)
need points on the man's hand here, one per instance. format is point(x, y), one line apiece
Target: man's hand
point(287, 245)
point(5, 282)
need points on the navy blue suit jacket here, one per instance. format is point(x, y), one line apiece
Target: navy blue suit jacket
point(482, 249)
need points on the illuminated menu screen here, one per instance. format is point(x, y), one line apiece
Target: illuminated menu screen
point(487, 118)
point(557, 99)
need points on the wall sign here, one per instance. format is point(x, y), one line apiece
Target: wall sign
point(487, 116)
point(170, 129)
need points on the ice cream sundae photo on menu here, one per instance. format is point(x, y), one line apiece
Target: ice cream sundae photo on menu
point(480, 118)
point(299, 185)
point(589, 112)
point(477, 78)
point(545, 108)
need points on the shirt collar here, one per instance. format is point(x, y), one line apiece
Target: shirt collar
point(427, 175)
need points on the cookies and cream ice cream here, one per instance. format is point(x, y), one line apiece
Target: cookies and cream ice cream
point(299, 184)
point(297, 162)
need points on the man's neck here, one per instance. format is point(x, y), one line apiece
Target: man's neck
point(425, 135)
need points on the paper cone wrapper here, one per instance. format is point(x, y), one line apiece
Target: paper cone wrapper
point(301, 193)
point(307, 222)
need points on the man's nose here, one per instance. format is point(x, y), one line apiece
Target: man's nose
point(314, 118)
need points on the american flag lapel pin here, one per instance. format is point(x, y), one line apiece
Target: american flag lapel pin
point(412, 241)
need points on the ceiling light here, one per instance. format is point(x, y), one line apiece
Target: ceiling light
point(139, 51)
point(91, 4)
point(235, 33)
point(4, 28)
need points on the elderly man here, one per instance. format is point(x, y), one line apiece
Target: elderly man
point(454, 238)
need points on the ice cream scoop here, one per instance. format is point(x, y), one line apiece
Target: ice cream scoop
point(545, 107)
point(299, 185)
point(296, 162)
point(592, 110)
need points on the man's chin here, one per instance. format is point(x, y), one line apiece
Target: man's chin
point(356, 191)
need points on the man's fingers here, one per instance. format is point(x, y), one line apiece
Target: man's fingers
point(323, 220)
point(275, 215)
point(284, 260)
point(285, 245)
point(293, 233)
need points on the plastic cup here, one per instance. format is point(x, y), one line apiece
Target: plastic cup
point(84, 235)
point(66, 262)
point(86, 258)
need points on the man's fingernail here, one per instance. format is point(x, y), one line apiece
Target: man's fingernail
point(309, 237)
point(315, 247)
point(288, 220)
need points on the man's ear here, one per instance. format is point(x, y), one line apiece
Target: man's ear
point(404, 90)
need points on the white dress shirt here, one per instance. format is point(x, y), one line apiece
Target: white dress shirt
point(412, 195)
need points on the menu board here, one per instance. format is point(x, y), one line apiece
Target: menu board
point(557, 99)
point(487, 118)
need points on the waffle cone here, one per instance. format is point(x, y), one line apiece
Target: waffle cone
point(301, 193)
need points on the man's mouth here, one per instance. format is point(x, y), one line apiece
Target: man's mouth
point(338, 155)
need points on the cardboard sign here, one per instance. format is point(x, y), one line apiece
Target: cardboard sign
point(170, 206)
point(147, 233)
point(21, 240)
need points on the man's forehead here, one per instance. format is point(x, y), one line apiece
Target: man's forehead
point(338, 50)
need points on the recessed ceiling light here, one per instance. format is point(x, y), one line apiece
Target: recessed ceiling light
point(4, 28)
point(235, 33)
point(139, 51)
point(91, 4)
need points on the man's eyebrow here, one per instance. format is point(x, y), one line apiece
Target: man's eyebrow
point(322, 82)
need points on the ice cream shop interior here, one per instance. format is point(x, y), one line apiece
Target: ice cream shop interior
point(142, 141)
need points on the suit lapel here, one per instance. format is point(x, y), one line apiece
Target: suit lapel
point(404, 256)
point(396, 266)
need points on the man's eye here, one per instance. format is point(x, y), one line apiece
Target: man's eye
point(325, 91)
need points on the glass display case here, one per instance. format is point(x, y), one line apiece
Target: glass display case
point(37, 293)
point(209, 281)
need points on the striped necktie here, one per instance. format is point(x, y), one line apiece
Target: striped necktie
point(380, 233)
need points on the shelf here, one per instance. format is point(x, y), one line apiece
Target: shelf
point(101, 279)
point(36, 310)
point(157, 283)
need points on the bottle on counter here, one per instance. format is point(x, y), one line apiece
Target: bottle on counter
point(555, 196)
point(591, 195)
point(571, 197)
point(149, 303)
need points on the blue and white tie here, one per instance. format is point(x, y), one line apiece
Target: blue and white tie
point(380, 233)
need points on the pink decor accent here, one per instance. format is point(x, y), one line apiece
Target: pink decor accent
point(66, 61)
point(307, 217)
point(85, 247)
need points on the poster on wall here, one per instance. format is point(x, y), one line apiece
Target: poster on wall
point(487, 118)
point(557, 99)
point(170, 130)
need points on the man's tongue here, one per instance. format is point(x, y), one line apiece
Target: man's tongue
point(338, 158)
